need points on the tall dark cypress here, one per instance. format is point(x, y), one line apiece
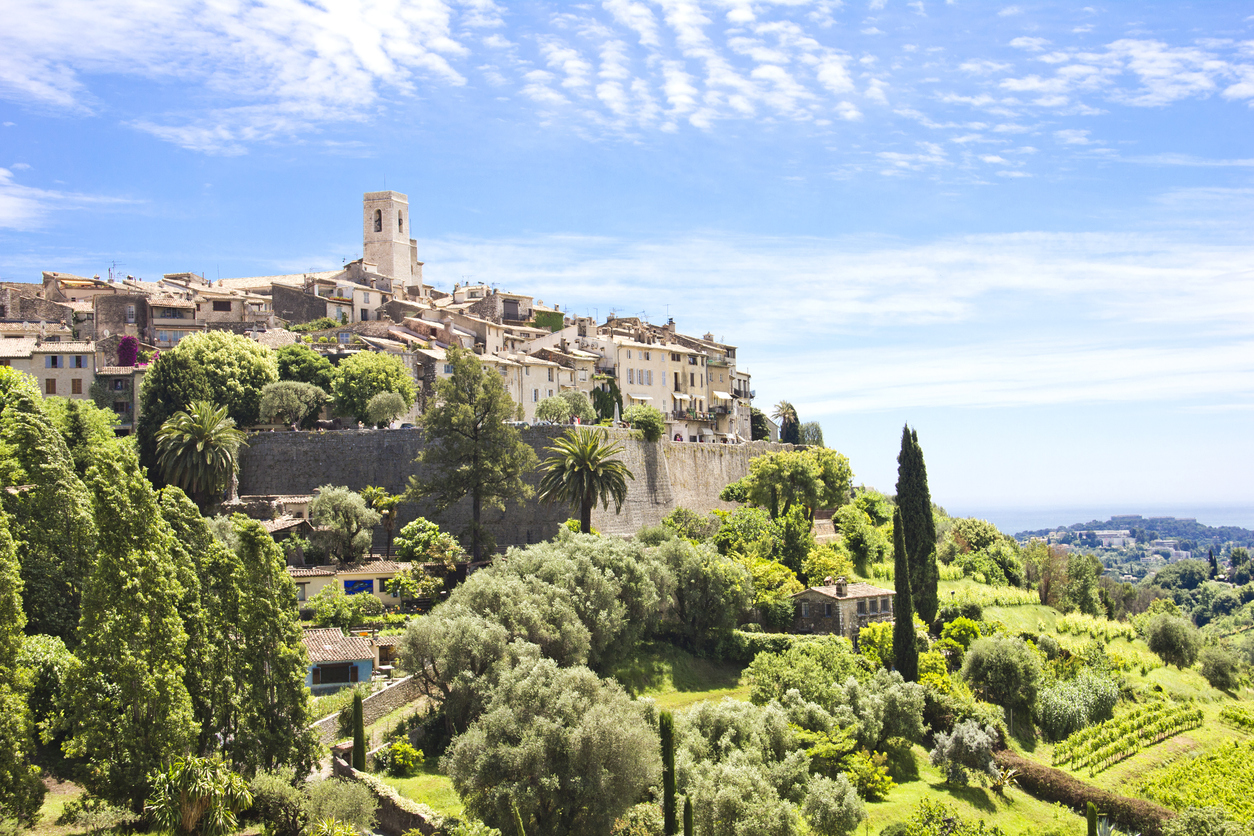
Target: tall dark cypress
point(914, 501)
point(687, 816)
point(905, 654)
point(359, 735)
point(666, 726)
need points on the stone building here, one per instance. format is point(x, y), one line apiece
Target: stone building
point(841, 608)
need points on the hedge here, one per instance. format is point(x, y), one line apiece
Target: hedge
point(741, 646)
point(1049, 784)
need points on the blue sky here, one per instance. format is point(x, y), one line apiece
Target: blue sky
point(1023, 228)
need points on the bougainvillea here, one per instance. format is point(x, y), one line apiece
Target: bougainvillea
point(128, 351)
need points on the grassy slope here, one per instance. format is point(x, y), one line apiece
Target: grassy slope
point(675, 678)
point(431, 788)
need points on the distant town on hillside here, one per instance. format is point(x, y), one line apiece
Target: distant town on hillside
point(1191, 535)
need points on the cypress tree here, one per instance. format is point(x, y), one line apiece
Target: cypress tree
point(666, 726)
point(1091, 815)
point(914, 501)
point(905, 654)
point(687, 816)
point(359, 735)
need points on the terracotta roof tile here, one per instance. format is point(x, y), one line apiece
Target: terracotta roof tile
point(853, 590)
point(330, 645)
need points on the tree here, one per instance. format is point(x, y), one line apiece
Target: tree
point(832, 806)
point(905, 652)
point(813, 478)
point(1175, 640)
point(292, 402)
point(666, 730)
point(272, 720)
point(580, 406)
point(606, 400)
point(470, 450)
point(1221, 668)
point(365, 374)
point(554, 410)
point(568, 750)
point(359, 734)
point(710, 592)
point(1003, 671)
point(21, 790)
point(386, 407)
point(347, 520)
point(197, 449)
point(583, 469)
point(647, 419)
point(378, 499)
point(811, 434)
point(173, 383)
point(1083, 570)
point(789, 427)
point(198, 796)
point(82, 425)
point(758, 428)
point(919, 528)
point(300, 364)
point(50, 516)
point(236, 369)
point(968, 746)
point(132, 712)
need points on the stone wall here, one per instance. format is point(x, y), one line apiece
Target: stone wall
point(294, 305)
point(667, 474)
point(373, 708)
point(396, 814)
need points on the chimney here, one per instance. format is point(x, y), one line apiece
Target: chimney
point(842, 587)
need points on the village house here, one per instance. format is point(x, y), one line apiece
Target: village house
point(369, 577)
point(337, 661)
point(841, 608)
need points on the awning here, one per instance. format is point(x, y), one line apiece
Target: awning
point(706, 431)
point(722, 396)
point(635, 397)
point(680, 397)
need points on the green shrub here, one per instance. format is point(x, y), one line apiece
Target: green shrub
point(1004, 671)
point(1221, 668)
point(648, 420)
point(400, 759)
point(936, 819)
point(869, 774)
point(1069, 706)
point(344, 801)
point(278, 802)
point(690, 524)
point(1175, 640)
point(1204, 821)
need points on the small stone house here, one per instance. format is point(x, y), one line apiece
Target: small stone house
point(841, 608)
point(337, 661)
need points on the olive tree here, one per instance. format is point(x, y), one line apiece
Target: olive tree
point(347, 519)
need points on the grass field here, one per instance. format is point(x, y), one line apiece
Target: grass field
point(431, 788)
point(676, 679)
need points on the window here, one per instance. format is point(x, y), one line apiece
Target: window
point(52, 361)
point(344, 337)
point(6, 362)
point(50, 386)
point(646, 354)
point(875, 605)
point(378, 220)
point(504, 373)
point(550, 375)
point(76, 386)
point(448, 368)
point(118, 384)
point(674, 357)
point(805, 609)
point(631, 376)
point(130, 313)
point(692, 379)
point(629, 354)
point(886, 605)
point(358, 587)
point(535, 395)
point(827, 610)
point(650, 373)
point(77, 362)
point(862, 608)
point(365, 315)
point(300, 591)
point(550, 393)
point(222, 307)
point(400, 221)
point(365, 298)
point(583, 374)
point(527, 371)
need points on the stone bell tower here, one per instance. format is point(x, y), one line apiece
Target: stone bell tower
point(386, 242)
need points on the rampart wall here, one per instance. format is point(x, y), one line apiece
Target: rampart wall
point(667, 474)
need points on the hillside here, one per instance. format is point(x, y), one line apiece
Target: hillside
point(1167, 528)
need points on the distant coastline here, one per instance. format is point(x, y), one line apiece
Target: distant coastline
point(1012, 520)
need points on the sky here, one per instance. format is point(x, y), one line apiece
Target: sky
point(1024, 229)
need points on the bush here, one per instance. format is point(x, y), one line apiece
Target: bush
point(832, 807)
point(936, 819)
point(1049, 784)
point(278, 802)
point(967, 747)
point(345, 801)
point(1221, 668)
point(1204, 821)
point(961, 630)
point(648, 420)
point(1004, 671)
point(1175, 640)
point(1069, 706)
point(869, 774)
point(691, 525)
point(400, 759)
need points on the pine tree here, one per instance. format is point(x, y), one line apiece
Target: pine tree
point(666, 726)
point(687, 816)
point(919, 528)
point(905, 654)
point(359, 735)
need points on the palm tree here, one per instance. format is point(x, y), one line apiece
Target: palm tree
point(196, 450)
point(789, 428)
point(583, 469)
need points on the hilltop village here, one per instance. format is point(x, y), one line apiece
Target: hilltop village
point(66, 332)
point(337, 554)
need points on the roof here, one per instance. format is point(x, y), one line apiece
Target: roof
point(374, 567)
point(121, 370)
point(310, 571)
point(65, 348)
point(283, 523)
point(330, 645)
point(170, 302)
point(290, 279)
point(276, 337)
point(853, 590)
point(21, 347)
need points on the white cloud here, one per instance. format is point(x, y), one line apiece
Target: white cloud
point(26, 207)
point(1073, 136)
point(1030, 44)
point(1009, 11)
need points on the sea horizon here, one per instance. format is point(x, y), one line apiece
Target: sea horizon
point(1014, 519)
